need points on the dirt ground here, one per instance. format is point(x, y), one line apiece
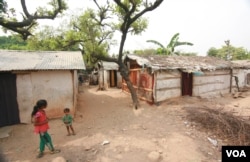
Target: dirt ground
point(109, 130)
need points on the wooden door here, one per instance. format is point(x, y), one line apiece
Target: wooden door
point(113, 78)
point(9, 112)
point(187, 84)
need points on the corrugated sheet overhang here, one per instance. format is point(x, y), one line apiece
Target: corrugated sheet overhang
point(41, 60)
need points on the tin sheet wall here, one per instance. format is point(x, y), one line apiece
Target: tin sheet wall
point(167, 85)
point(211, 83)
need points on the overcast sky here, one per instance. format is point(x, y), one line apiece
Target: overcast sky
point(205, 23)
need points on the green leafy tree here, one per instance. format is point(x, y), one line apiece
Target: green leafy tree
point(9, 21)
point(241, 54)
point(92, 32)
point(13, 42)
point(213, 52)
point(170, 48)
point(229, 53)
point(86, 32)
point(50, 38)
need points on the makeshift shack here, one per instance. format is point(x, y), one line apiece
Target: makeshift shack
point(241, 74)
point(108, 75)
point(157, 77)
point(27, 76)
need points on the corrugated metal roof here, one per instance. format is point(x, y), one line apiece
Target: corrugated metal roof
point(188, 63)
point(109, 65)
point(41, 60)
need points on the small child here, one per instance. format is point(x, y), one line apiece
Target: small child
point(67, 119)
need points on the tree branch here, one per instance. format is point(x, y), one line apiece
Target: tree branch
point(119, 3)
point(147, 9)
point(104, 58)
point(23, 27)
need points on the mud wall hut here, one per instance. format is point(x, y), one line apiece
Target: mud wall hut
point(108, 75)
point(27, 76)
point(241, 70)
point(157, 78)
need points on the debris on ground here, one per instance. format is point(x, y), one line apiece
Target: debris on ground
point(228, 127)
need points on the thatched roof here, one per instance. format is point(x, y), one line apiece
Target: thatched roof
point(187, 63)
point(244, 64)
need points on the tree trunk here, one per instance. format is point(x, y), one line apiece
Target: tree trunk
point(125, 74)
point(124, 70)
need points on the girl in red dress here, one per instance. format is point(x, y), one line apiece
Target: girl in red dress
point(41, 127)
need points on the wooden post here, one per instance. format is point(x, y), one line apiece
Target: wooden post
point(231, 77)
point(112, 73)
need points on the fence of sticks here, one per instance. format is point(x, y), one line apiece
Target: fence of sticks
point(233, 130)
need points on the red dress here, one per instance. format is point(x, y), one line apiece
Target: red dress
point(40, 116)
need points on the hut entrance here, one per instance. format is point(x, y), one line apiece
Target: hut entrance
point(113, 78)
point(187, 83)
point(248, 79)
point(9, 113)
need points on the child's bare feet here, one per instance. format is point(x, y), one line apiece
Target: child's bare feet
point(54, 151)
point(39, 155)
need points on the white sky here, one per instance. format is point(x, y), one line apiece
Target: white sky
point(205, 23)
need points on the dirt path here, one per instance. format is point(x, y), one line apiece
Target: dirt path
point(150, 134)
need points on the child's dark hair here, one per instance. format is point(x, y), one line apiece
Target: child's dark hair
point(66, 110)
point(39, 104)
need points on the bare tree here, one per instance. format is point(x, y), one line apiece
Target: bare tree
point(24, 26)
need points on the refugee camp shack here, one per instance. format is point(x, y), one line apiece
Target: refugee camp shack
point(93, 77)
point(108, 75)
point(27, 76)
point(157, 78)
point(241, 73)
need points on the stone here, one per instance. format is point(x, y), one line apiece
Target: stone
point(59, 159)
point(154, 156)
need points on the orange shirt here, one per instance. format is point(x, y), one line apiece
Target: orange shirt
point(40, 116)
